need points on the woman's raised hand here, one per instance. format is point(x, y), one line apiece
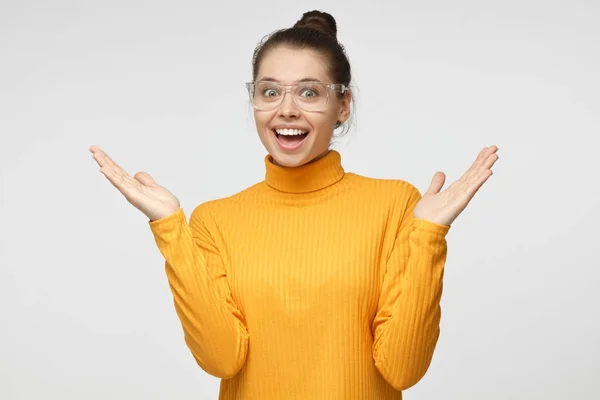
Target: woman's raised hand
point(443, 206)
point(141, 190)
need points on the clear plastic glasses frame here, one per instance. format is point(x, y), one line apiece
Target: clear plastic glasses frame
point(309, 96)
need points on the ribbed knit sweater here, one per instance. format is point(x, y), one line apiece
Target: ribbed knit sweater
point(315, 283)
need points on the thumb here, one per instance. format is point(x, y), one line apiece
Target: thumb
point(437, 182)
point(144, 179)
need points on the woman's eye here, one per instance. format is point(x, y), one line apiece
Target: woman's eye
point(309, 93)
point(269, 92)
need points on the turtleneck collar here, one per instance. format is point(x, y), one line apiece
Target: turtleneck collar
point(310, 177)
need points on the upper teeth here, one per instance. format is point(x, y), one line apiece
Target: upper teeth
point(290, 131)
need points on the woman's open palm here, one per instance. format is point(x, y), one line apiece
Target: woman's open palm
point(443, 206)
point(141, 190)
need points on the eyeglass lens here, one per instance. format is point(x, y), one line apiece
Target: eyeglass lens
point(311, 96)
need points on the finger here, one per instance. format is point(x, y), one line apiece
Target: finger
point(479, 158)
point(144, 179)
point(111, 164)
point(437, 182)
point(95, 150)
point(474, 167)
point(489, 151)
point(117, 175)
point(99, 155)
point(477, 183)
point(475, 177)
point(128, 186)
point(480, 162)
point(490, 161)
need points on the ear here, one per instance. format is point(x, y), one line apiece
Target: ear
point(345, 103)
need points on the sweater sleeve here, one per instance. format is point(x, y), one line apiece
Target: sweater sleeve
point(406, 326)
point(214, 328)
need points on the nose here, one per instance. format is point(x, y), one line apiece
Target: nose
point(288, 107)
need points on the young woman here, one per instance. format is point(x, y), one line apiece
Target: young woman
point(315, 283)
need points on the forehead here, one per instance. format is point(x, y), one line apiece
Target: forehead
point(288, 65)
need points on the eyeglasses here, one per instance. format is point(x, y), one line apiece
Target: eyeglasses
point(309, 96)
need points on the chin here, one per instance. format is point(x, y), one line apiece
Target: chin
point(290, 160)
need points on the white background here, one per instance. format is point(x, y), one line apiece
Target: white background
point(85, 308)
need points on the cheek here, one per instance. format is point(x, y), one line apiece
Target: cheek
point(261, 120)
point(329, 118)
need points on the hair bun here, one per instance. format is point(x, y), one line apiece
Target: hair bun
point(320, 21)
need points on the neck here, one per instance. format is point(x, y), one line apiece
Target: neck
point(274, 161)
point(321, 172)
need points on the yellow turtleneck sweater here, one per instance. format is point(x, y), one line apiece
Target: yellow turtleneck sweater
point(313, 284)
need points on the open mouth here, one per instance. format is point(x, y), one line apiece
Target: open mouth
point(290, 138)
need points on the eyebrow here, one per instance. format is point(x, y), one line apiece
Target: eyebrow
point(267, 79)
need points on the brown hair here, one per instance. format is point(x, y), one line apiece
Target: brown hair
point(317, 31)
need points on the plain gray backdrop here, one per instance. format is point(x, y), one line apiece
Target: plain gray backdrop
point(85, 308)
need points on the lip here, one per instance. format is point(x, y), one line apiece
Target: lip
point(289, 127)
point(286, 147)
